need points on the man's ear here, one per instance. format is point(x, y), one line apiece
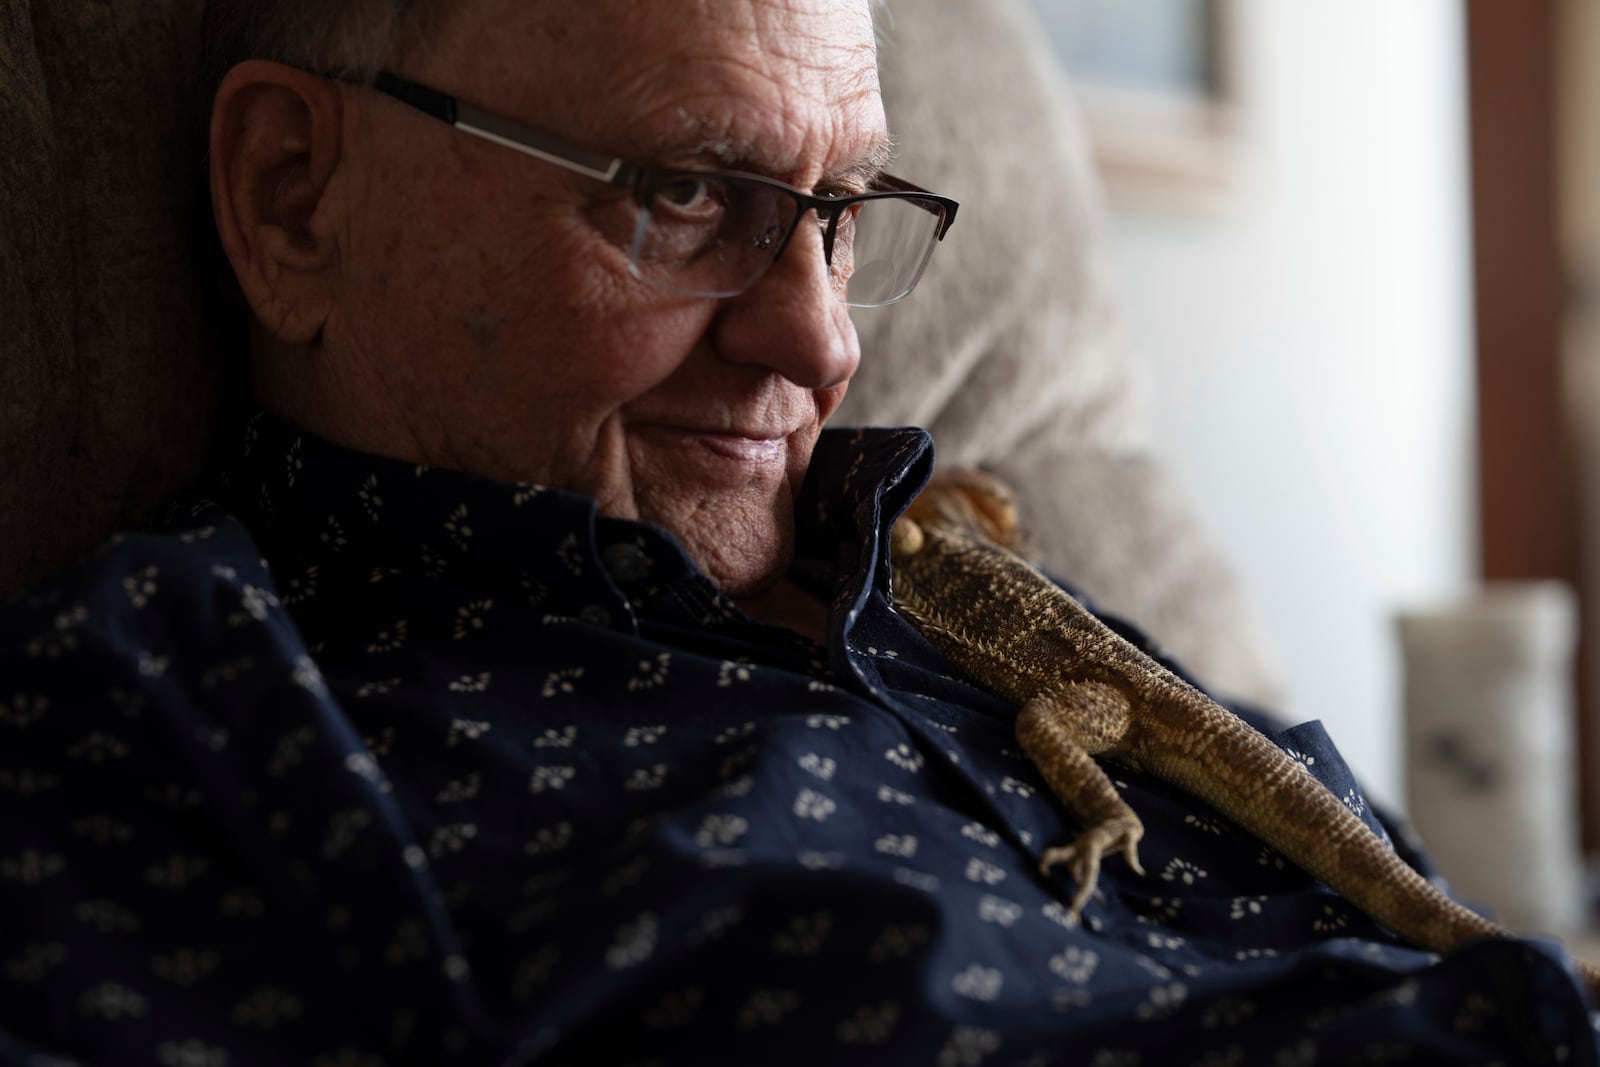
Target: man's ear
point(275, 146)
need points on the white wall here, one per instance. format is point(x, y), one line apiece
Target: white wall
point(1308, 347)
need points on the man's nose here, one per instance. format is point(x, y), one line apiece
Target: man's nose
point(792, 319)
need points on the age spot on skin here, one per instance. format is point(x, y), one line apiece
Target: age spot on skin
point(483, 328)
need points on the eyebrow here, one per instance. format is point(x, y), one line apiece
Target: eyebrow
point(870, 164)
point(725, 153)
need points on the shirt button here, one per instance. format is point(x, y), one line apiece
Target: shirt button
point(595, 615)
point(625, 562)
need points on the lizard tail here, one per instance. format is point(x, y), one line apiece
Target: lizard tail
point(1268, 791)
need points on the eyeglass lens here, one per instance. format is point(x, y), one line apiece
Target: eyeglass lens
point(714, 235)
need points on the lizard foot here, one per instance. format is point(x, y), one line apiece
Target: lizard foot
point(1082, 857)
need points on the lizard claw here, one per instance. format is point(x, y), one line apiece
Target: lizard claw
point(1130, 852)
point(1082, 857)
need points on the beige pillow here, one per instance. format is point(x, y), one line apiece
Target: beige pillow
point(1009, 351)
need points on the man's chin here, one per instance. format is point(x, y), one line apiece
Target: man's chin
point(743, 542)
point(745, 575)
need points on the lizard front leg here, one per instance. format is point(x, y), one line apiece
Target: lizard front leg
point(1058, 732)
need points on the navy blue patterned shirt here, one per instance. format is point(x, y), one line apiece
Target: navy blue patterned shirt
point(376, 764)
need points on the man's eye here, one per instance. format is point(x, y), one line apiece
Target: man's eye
point(690, 195)
point(845, 186)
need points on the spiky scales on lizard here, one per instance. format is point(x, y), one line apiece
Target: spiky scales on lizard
point(1085, 692)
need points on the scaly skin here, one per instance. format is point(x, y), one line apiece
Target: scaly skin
point(1086, 692)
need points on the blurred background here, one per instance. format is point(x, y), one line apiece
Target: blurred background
point(1354, 248)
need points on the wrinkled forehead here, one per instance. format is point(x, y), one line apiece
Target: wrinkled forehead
point(782, 86)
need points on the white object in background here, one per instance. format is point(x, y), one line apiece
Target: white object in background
point(1490, 751)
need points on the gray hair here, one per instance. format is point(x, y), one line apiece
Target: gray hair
point(351, 37)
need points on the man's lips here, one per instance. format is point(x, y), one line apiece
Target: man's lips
point(741, 446)
point(758, 447)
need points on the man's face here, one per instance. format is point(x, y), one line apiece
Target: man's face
point(485, 308)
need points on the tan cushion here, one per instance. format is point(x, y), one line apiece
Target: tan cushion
point(1010, 352)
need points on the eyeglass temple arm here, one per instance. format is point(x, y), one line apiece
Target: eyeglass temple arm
point(934, 204)
point(503, 131)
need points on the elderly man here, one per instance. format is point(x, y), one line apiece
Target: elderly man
point(566, 718)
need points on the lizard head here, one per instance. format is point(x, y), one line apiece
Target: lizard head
point(965, 498)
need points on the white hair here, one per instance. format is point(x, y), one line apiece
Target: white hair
point(354, 37)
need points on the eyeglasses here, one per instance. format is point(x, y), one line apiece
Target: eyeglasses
point(714, 233)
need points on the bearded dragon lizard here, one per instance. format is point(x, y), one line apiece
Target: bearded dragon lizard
point(1085, 692)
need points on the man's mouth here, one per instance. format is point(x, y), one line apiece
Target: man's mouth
point(749, 448)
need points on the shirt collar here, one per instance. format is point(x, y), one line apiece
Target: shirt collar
point(300, 493)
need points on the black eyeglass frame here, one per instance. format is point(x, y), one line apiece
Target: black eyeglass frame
point(641, 179)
